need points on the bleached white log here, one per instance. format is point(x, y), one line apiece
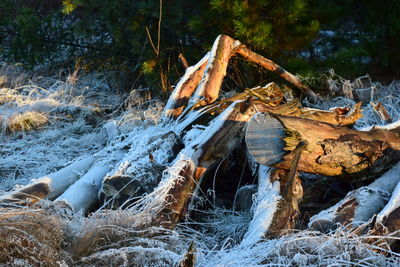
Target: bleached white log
point(264, 207)
point(49, 186)
point(84, 193)
point(394, 201)
point(360, 205)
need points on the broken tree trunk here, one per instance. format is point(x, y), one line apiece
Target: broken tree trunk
point(207, 75)
point(220, 138)
point(276, 206)
point(184, 89)
point(339, 151)
point(265, 98)
point(49, 186)
point(208, 90)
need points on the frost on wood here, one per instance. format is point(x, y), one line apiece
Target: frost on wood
point(264, 207)
point(359, 205)
point(49, 186)
point(158, 175)
point(222, 136)
point(184, 89)
point(141, 168)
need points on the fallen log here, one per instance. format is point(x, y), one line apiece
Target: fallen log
point(387, 222)
point(267, 94)
point(84, 193)
point(333, 150)
point(359, 205)
point(269, 98)
point(270, 65)
point(49, 186)
point(141, 169)
point(220, 138)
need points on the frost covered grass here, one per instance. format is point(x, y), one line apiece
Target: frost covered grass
point(83, 116)
point(30, 237)
point(362, 89)
point(304, 248)
point(26, 121)
point(114, 238)
point(73, 116)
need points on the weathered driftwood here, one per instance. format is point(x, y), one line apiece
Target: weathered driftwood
point(49, 186)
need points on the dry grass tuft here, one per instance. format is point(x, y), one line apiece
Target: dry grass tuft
point(26, 121)
point(30, 237)
point(115, 238)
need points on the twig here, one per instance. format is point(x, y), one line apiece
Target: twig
point(159, 28)
point(151, 41)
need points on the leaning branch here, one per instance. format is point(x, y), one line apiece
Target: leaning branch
point(272, 66)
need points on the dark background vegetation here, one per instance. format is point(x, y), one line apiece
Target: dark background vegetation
point(129, 38)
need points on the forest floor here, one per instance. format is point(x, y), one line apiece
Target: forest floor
point(47, 122)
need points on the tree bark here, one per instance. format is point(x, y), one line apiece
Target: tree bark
point(220, 138)
point(272, 66)
point(359, 205)
point(339, 151)
point(184, 89)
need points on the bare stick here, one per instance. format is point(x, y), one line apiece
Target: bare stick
point(272, 66)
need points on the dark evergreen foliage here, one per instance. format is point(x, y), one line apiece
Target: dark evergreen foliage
point(352, 36)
